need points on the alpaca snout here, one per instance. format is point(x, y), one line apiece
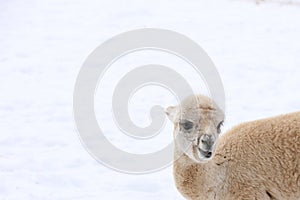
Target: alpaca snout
point(206, 142)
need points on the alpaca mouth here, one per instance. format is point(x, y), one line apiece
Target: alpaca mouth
point(206, 154)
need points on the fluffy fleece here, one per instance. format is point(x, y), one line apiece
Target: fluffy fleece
point(254, 160)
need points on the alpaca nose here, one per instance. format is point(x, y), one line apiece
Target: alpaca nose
point(207, 140)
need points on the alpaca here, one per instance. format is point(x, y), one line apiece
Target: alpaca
point(254, 160)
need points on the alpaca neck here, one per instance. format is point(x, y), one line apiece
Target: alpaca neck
point(200, 180)
point(192, 179)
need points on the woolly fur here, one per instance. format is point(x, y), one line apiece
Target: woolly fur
point(254, 160)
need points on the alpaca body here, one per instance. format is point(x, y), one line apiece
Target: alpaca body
point(254, 160)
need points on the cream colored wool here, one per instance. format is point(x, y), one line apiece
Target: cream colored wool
point(254, 160)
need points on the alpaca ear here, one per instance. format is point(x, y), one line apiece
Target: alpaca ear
point(171, 112)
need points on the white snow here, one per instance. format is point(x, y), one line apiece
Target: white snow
point(43, 44)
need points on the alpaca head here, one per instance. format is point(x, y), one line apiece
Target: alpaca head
point(197, 125)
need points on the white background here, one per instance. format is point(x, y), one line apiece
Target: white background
point(256, 49)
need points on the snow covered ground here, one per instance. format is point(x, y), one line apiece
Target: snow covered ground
point(43, 44)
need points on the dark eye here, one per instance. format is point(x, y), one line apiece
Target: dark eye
point(220, 126)
point(187, 125)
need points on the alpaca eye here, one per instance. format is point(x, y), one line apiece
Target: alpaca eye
point(220, 126)
point(187, 125)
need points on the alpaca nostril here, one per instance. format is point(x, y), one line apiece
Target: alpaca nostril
point(207, 140)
